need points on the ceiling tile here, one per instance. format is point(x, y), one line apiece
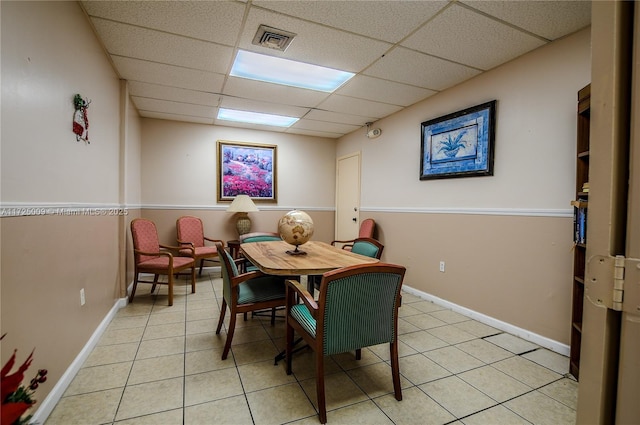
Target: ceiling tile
point(176, 108)
point(344, 104)
point(155, 91)
point(217, 21)
point(263, 107)
point(304, 132)
point(306, 124)
point(173, 117)
point(382, 20)
point(168, 75)
point(375, 89)
point(131, 41)
point(339, 117)
point(411, 67)
point(315, 44)
point(461, 35)
point(548, 19)
point(251, 89)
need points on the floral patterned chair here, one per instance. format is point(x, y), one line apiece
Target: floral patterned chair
point(153, 258)
point(191, 234)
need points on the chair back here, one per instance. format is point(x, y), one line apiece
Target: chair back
point(259, 237)
point(367, 228)
point(367, 246)
point(145, 238)
point(228, 270)
point(190, 230)
point(360, 306)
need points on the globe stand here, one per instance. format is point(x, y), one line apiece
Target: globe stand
point(296, 252)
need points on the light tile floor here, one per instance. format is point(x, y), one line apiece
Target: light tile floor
point(157, 364)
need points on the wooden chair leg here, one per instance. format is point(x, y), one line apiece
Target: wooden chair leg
point(358, 353)
point(170, 279)
point(223, 310)
point(201, 264)
point(230, 330)
point(193, 279)
point(155, 282)
point(273, 316)
point(322, 404)
point(135, 285)
point(395, 370)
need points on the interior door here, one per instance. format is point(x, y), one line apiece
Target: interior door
point(348, 197)
point(610, 353)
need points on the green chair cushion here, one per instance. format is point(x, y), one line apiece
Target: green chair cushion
point(301, 313)
point(260, 289)
point(365, 248)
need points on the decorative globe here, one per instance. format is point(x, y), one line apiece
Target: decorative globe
point(295, 228)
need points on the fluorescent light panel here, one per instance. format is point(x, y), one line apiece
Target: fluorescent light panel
point(271, 69)
point(255, 117)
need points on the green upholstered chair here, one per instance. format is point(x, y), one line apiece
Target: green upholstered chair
point(357, 307)
point(367, 246)
point(364, 246)
point(246, 292)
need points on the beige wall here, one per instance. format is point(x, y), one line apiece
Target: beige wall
point(49, 53)
point(179, 165)
point(506, 239)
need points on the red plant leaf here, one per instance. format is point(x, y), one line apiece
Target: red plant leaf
point(11, 383)
point(12, 411)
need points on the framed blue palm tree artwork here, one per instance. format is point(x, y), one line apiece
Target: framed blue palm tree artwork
point(460, 144)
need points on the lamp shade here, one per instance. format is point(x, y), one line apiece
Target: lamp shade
point(242, 203)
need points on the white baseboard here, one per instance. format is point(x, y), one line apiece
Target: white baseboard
point(49, 403)
point(498, 324)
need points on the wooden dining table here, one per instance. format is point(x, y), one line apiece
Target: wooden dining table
point(272, 258)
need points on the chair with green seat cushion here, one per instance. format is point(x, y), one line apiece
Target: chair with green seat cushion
point(367, 246)
point(357, 307)
point(257, 237)
point(246, 292)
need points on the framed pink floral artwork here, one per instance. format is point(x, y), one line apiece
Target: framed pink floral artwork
point(246, 169)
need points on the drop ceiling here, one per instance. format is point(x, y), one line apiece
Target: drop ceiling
point(176, 55)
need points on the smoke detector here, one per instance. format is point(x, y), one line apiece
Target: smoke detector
point(273, 38)
point(372, 133)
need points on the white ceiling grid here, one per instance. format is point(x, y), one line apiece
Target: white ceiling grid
point(177, 54)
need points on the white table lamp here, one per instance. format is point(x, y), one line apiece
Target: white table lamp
point(242, 204)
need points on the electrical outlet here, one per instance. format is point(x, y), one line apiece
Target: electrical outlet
point(82, 300)
point(442, 266)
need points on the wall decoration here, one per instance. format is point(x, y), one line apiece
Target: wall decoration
point(80, 119)
point(460, 144)
point(246, 169)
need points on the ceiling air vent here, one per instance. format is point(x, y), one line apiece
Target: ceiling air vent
point(273, 38)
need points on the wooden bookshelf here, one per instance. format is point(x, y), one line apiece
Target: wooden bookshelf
point(580, 248)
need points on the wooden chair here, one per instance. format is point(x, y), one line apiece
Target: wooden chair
point(191, 235)
point(364, 246)
point(246, 292)
point(367, 230)
point(152, 257)
point(367, 246)
point(357, 307)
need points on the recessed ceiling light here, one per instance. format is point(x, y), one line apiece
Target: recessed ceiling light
point(271, 69)
point(255, 117)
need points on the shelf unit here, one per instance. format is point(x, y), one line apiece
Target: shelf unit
point(581, 201)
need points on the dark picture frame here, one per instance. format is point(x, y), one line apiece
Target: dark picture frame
point(247, 169)
point(460, 144)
